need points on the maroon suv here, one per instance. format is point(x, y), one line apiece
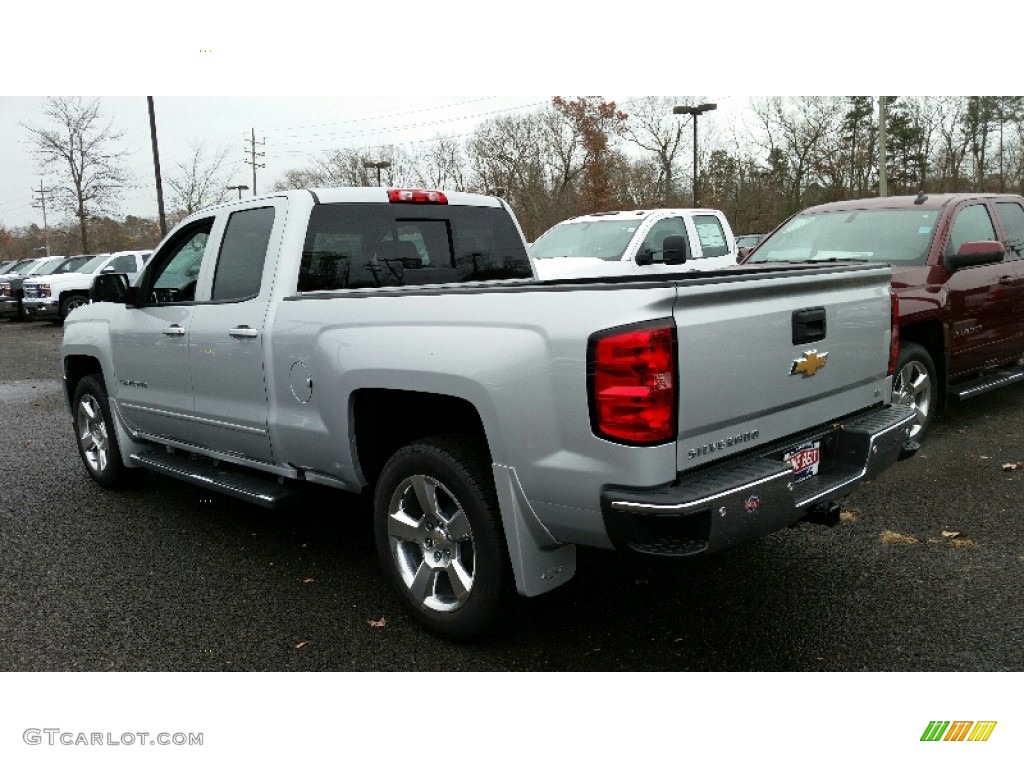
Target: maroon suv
point(958, 268)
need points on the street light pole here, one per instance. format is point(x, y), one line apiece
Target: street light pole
point(240, 187)
point(378, 165)
point(694, 112)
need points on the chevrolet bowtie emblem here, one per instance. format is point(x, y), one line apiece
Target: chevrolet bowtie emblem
point(809, 364)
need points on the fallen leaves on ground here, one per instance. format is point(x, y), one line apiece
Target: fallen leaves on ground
point(891, 537)
point(1010, 466)
point(307, 581)
point(848, 515)
point(377, 622)
point(961, 543)
point(302, 644)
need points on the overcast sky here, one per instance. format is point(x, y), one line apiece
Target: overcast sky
point(293, 130)
point(323, 79)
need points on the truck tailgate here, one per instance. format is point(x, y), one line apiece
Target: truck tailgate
point(767, 354)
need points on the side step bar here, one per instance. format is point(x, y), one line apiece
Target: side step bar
point(255, 490)
point(986, 383)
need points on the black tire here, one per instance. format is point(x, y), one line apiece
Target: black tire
point(96, 436)
point(449, 566)
point(69, 303)
point(915, 383)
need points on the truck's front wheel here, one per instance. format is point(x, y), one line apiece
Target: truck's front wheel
point(916, 384)
point(439, 535)
point(97, 437)
point(70, 303)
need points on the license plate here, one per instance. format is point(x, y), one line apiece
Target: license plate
point(804, 461)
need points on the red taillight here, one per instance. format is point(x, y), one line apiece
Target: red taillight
point(632, 374)
point(417, 196)
point(894, 343)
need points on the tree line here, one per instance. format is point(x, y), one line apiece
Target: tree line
point(581, 155)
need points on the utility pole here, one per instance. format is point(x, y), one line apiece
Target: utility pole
point(883, 179)
point(156, 168)
point(42, 201)
point(253, 154)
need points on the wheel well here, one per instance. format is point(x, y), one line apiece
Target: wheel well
point(385, 420)
point(76, 368)
point(929, 336)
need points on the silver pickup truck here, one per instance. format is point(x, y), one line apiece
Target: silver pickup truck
point(397, 343)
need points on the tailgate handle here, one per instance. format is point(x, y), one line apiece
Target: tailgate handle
point(808, 325)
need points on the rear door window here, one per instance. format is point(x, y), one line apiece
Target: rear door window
point(377, 245)
point(243, 252)
point(711, 235)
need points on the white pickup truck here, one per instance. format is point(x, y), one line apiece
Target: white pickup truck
point(396, 343)
point(52, 297)
point(633, 243)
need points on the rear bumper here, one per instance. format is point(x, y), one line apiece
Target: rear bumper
point(753, 495)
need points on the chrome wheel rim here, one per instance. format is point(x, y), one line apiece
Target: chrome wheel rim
point(92, 434)
point(913, 386)
point(431, 543)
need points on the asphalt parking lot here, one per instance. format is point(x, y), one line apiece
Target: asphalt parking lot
point(924, 573)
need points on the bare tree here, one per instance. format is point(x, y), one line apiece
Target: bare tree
point(653, 127)
point(951, 152)
point(198, 182)
point(84, 154)
point(807, 130)
point(442, 164)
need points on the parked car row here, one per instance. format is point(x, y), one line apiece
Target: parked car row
point(50, 287)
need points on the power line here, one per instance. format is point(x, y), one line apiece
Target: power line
point(320, 137)
point(383, 115)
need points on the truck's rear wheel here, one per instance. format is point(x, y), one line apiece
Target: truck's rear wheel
point(439, 535)
point(96, 436)
point(915, 383)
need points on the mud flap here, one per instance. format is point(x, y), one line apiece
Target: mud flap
point(539, 562)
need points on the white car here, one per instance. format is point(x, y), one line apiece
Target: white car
point(633, 243)
point(54, 296)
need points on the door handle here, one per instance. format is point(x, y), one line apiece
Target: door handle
point(174, 330)
point(1007, 280)
point(244, 332)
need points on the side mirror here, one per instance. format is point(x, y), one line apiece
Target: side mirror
point(743, 254)
point(644, 257)
point(674, 248)
point(110, 286)
point(107, 270)
point(975, 253)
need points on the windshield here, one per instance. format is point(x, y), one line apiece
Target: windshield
point(70, 265)
point(92, 264)
point(894, 235)
point(24, 268)
point(597, 239)
point(51, 267)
